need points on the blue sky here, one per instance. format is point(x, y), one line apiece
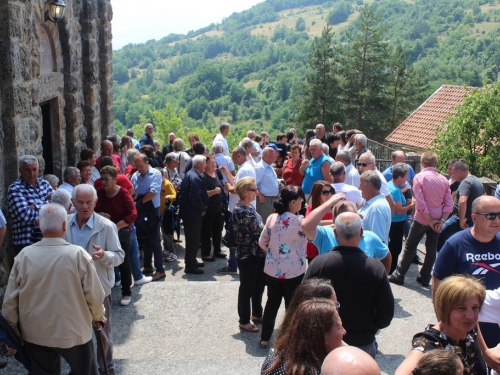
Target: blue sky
point(139, 21)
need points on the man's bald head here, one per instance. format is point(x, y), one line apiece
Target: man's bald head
point(349, 360)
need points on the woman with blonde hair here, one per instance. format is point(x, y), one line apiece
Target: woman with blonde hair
point(457, 304)
point(246, 225)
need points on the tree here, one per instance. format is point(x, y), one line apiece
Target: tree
point(167, 121)
point(340, 12)
point(120, 73)
point(472, 133)
point(318, 99)
point(407, 88)
point(363, 68)
point(300, 25)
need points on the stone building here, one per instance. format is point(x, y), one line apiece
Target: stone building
point(55, 83)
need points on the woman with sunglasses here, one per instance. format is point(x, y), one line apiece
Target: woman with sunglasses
point(320, 193)
point(285, 244)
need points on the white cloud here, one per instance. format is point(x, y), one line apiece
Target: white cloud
point(137, 22)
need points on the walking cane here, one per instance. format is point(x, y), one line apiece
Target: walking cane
point(101, 346)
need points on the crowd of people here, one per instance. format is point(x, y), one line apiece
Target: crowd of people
point(312, 220)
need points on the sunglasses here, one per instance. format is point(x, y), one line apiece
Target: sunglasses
point(326, 193)
point(489, 215)
point(363, 164)
point(106, 179)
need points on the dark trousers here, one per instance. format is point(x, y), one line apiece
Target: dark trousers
point(251, 287)
point(47, 361)
point(396, 242)
point(211, 227)
point(192, 234)
point(276, 290)
point(450, 227)
point(125, 269)
point(150, 244)
point(417, 231)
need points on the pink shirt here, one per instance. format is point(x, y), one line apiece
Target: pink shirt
point(285, 243)
point(432, 195)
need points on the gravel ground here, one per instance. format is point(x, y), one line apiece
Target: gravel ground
point(188, 324)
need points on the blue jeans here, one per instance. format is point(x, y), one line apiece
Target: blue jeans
point(231, 261)
point(450, 227)
point(135, 262)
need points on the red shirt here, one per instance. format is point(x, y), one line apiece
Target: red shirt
point(120, 207)
point(116, 159)
point(291, 175)
point(312, 250)
point(121, 180)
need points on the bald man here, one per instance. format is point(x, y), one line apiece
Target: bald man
point(107, 150)
point(349, 360)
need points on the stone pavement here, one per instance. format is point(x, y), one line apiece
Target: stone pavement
point(188, 324)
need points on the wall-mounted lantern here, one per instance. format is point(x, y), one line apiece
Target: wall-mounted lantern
point(55, 11)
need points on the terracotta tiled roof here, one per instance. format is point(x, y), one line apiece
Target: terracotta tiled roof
point(419, 129)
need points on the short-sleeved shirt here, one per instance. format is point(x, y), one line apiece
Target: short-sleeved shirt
point(377, 217)
point(352, 194)
point(150, 182)
point(225, 147)
point(471, 187)
point(398, 196)
point(351, 176)
point(371, 245)
point(471, 357)
point(247, 226)
point(245, 170)
point(121, 180)
point(223, 160)
point(215, 201)
point(266, 179)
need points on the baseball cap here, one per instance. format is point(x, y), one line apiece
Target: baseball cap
point(274, 147)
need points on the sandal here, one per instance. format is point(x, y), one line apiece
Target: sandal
point(264, 344)
point(250, 327)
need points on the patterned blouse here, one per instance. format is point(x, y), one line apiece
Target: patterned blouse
point(285, 243)
point(471, 356)
point(246, 225)
point(281, 370)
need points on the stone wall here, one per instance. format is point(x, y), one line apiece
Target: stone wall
point(68, 66)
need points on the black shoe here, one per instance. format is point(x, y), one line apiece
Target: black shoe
point(395, 280)
point(417, 260)
point(200, 264)
point(195, 271)
point(419, 280)
point(227, 271)
point(3, 363)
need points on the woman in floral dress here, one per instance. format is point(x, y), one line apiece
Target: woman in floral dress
point(285, 244)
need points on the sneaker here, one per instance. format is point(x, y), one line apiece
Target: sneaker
point(144, 280)
point(170, 257)
point(227, 271)
point(125, 301)
point(118, 283)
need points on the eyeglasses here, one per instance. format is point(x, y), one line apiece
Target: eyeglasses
point(338, 305)
point(489, 215)
point(364, 164)
point(326, 193)
point(106, 179)
point(253, 189)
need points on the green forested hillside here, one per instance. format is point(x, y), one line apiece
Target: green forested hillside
point(251, 69)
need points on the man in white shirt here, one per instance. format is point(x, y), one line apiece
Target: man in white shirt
point(223, 160)
point(352, 194)
point(352, 174)
point(366, 162)
point(221, 137)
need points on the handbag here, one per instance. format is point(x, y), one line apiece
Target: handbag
point(228, 239)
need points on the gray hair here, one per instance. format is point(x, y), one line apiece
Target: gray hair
point(344, 155)
point(361, 138)
point(84, 189)
point(371, 177)
point(347, 225)
point(62, 197)
point(27, 159)
point(246, 142)
point(198, 159)
point(51, 179)
point(337, 168)
point(223, 126)
point(52, 216)
point(399, 170)
point(315, 142)
point(369, 155)
point(326, 149)
point(70, 172)
point(218, 147)
point(460, 166)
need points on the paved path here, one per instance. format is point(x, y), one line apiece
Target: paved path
point(188, 324)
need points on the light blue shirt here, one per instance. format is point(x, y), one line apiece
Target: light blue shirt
point(2, 220)
point(150, 182)
point(398, 196)
point(325, 241)
point(267, 180)
point(81, 235)
point(388, 173)
point(377, 217)
point(223, 160)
